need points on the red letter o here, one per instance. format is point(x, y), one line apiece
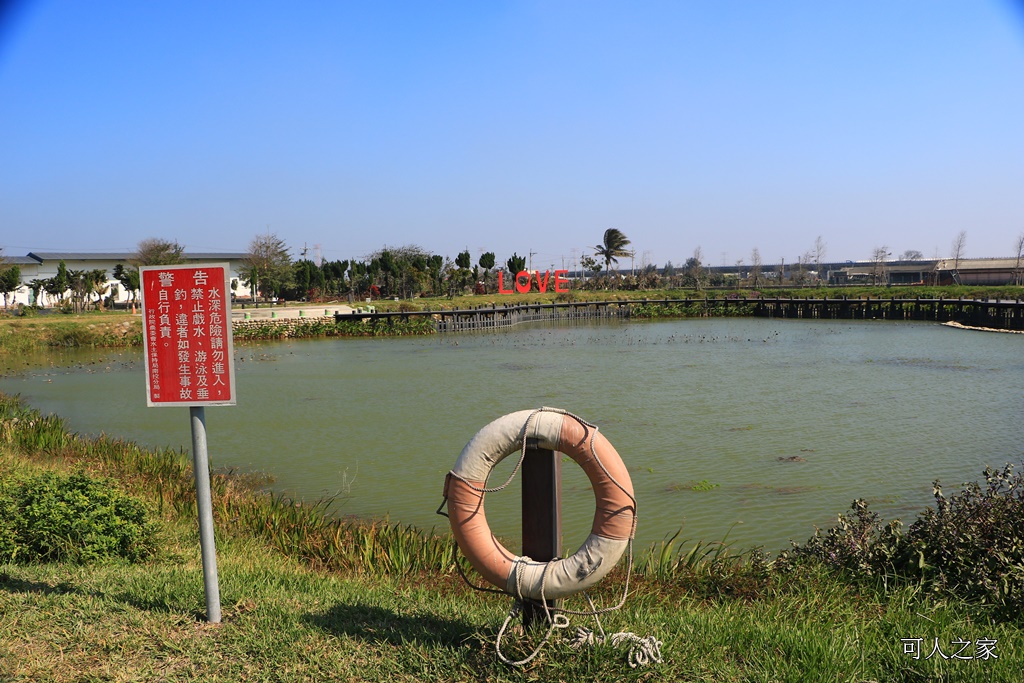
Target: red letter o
point(520, 287)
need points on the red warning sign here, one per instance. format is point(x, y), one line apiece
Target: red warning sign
point(186, 314)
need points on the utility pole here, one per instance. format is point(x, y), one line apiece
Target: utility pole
point(530, 266)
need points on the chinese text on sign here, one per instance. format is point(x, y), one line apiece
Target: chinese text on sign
point(187, 335)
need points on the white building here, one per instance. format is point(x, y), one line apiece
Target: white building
point(44, 265)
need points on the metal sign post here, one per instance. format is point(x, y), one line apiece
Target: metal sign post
point(541, 515)
point(204, 504)
point(186, 323)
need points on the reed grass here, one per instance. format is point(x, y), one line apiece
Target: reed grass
point(241, 505)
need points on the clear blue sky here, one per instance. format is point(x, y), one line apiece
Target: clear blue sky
point(514, 126)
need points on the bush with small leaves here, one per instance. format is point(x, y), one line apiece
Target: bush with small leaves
point(972, 543)
point(859, 544)
point(74, 518)
point(8, 540)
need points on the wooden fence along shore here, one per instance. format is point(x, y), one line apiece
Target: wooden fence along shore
point(1005, 315)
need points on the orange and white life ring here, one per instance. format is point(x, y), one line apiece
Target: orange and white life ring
point(614, 519)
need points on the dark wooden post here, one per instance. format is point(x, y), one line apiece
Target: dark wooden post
point(541, 514)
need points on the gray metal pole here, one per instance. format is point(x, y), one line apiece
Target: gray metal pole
point(204, 503)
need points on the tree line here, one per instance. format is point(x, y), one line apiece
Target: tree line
point(408, 271)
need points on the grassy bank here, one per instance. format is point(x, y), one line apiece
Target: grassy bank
point(311, 597)
point(20, 335)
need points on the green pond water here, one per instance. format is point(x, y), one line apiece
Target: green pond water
point(777, 424)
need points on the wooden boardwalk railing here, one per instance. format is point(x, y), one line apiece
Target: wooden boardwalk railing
point(1002, 314)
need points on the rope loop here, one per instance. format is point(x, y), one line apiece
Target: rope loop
point(559, 621)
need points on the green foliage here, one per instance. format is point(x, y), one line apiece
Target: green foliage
point(8, 538)
point(10, 281)
point(690, 309)
point(29, 431)
point(129, 279)
point(53, 518)
point(268, 265)
point(308, 281)
point(859, 544)
point(709, 569)
point(311, 532)
point(515, 263)
point(285, 329)
point(970, 545)
point(613, 245)
point(702, 485)
point(72, 336)
point(57, 285)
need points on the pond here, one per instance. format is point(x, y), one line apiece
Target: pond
point(754, 429)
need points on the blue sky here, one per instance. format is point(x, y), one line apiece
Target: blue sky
point(514, 126)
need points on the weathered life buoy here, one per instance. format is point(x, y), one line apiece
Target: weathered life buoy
point(614, 519)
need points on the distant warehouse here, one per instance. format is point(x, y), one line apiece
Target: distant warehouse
point(987, 271)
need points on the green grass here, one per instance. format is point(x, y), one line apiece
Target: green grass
point(23, 334)
point(309, 597)
point(285, 622)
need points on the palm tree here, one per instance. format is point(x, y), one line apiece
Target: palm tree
point(615, 244)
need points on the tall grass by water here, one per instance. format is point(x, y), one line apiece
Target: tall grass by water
point(241, 505)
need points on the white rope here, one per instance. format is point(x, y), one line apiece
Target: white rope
point(642, 651)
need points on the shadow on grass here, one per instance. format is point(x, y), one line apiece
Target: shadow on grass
point(372, 623)
point(11, 584)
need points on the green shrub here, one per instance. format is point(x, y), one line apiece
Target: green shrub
point(8, 540)
point(860, 544)
point(970, 545)
point(75, 518)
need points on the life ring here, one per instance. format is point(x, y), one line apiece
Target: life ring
point(614, 519)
